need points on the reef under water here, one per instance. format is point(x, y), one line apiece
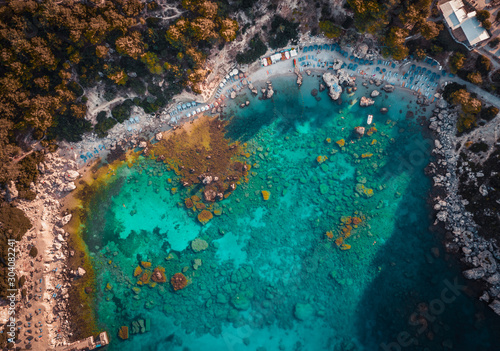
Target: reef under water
point(281, 227)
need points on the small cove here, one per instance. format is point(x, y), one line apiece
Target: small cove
point(268, 259)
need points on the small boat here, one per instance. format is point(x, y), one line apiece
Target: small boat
point(370, 119)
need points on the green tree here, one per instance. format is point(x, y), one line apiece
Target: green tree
point(482, 15)
point(483, 64)
point(329, 29)
point(257, 48)
point(457, 61)
point(395, 42)
point(475, 78)
point(430, 30)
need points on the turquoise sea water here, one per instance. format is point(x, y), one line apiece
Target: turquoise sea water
point(271, 279)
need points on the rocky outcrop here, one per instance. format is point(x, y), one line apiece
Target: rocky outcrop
point(71, 175)
point(479, 254)
point(12, 192)
point(365, 101)
point(268, 92)
point(299, 75)
point(360, 131)
point(210, 195)
point(388, 88)
point(252, 89)
point(374, 93)
point(159, 136)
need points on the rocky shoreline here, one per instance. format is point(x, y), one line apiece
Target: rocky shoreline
point(48, 276)
point(481, 256)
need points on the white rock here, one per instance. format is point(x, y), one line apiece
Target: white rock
point(71, 175)
point(70, 186)
point(474, 273)
point(12, 192)
point(364, 101)
point(441, 216)
point(65, 220)
point(80, 272)
point(374, 93)
point(143, 144)
point(159, 136)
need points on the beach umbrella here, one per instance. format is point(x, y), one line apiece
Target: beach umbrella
point(315, 47)
point(378, 69)
point(383, 69)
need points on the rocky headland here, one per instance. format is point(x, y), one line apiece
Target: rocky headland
point(480, 255)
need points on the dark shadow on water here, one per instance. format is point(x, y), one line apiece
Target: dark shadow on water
point(418, 301)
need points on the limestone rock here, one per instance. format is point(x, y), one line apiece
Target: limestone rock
point(487, 261)
point(143, 144)
point(360, 131)
point(71, 175)
point(474, 273)
point(80, 272)
point(442, 104)
point(70, 186)
point(494, 279)
point(233, 94)
point(441, 216)
point(374, 93)
point(12, 192)
point(333, 84)
point(65, 220)
point(388, 88)
point(210, 195)
point(159, 136)
point(365, 101)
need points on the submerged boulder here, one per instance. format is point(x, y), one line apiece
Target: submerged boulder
point(303, 311)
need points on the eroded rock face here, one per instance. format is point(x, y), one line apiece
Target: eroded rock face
point(12, 192)
point(80, 272)
point(360, 131)
point(210, 195)
point(388, 88)
point(365, 101)
point(71, 175)
point(333, 84)
point(474, 273)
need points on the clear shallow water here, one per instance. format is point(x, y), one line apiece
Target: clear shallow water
point(266, 259)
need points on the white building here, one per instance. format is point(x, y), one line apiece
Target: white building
point(460, 21)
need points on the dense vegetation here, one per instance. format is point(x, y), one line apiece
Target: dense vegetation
point(13, 225)
point(256, 49)
point(394, 20)
point(282, 31)
point(51, 52)
point(471, 108)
